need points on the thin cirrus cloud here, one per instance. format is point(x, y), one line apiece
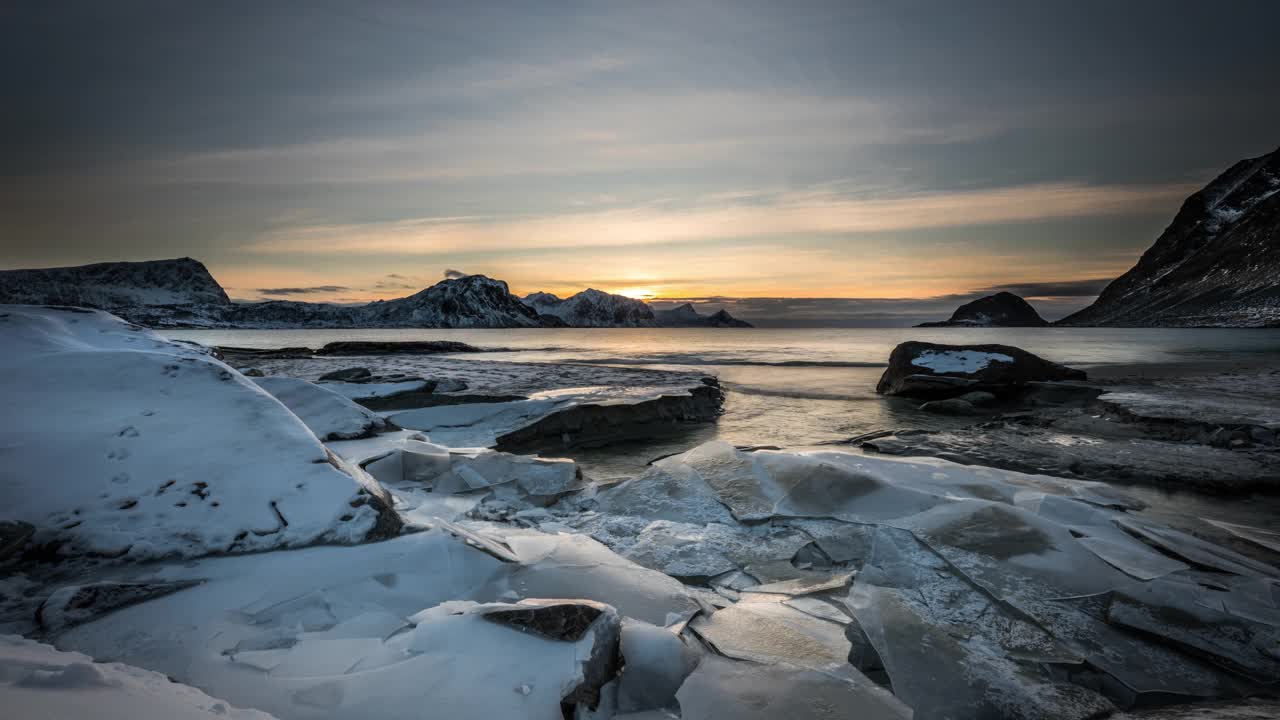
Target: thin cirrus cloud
point(314, 290)
point(587, 133)
point(798, 213)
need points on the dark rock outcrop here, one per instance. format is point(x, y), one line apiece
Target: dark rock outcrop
point(14, 536)
point(592, 425)
point(353, 375)
point(394, 347)
point(1217, 264)
point(934, 371)
point(1004, 309)
point(114, 285)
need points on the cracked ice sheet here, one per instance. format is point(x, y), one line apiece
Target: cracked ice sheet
point(692, 551)
point(858, 488)
point(1258, 536)
point(1196, 551)
point(721, 688)
point(576, 566)
point(1013, 553)
point(770, 632)
point(1165, 609)
point(37, 681)
point(269, 631)
point(152, 448)
point(942, 671)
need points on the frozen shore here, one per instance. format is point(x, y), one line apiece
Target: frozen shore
point(397, 562)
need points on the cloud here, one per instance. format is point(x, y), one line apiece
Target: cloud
point(451, 274)
point(314, 290)
point(584, 133)
point(1071, 288)
point(818, 213)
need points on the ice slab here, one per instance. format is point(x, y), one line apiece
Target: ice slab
point(329, 415)
point(722, 688)
point(37, 681)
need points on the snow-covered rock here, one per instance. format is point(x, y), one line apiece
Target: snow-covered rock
point(330, 415)
point(117, 442)
point(38, 681)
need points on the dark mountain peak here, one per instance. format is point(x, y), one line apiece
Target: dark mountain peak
point(115, 285)
point(1004, 309)
point(686, 315)
point(1218, 262)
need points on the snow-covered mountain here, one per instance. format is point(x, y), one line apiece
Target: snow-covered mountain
point(1217, 264)
point(687, 316)
point(593, 308)
point(182, 293)
point(113, 286)
point(473, 301)
point(1004, 309)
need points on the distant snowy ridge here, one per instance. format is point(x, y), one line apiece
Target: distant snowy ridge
point(593, 308)
point(1217, 264)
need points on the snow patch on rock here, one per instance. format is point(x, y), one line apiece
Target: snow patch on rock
point(958, 361)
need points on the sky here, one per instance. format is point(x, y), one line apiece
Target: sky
point(848, 162)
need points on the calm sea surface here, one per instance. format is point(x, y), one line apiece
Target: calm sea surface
point(787, 387)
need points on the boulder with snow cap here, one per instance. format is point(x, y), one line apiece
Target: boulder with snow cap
point(935, 371)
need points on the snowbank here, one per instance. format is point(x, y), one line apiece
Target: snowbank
point(120, 443)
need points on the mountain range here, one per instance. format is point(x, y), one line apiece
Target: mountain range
point(1216, 265)
point(182, 293)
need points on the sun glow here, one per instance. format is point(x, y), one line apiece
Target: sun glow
point(637, 293)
